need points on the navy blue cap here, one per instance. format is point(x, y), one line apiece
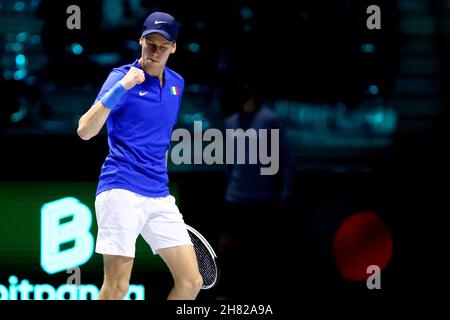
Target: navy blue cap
point(162, 23)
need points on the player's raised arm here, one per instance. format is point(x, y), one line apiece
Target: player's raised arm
point(93, 120)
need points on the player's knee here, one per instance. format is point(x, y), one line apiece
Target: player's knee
point(192, 283)
point(122, 288)
point(118, 288)
point(198, 282)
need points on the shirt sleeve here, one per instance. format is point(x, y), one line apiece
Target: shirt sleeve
point(112, 79)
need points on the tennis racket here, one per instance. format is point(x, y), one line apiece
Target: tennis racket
point(206, 258)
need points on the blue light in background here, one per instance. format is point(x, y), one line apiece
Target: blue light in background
point(200, 25)
point(76, 48)
point(246, 13)
point(194, 47)
point(19, 6)
point(14, 47)
point(198, 116)
point(8, 75)
point(34, 4)
point(19, 115)
point(194, 88)
point(106, 58)
point(20, 60)
point(206, 124)
point(132, 45)
point(373, 89)
point(368, 48)
point(383, 120)
point(31, 80)
point(22, 36)
point(20, 74)
point(378, 118)
point(35, 39)
point(10, 37)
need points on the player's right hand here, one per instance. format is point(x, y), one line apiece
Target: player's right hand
point(133, 77)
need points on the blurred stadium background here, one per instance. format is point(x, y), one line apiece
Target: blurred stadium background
point(365, 112)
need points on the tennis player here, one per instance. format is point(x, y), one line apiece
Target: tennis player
point(139, 103)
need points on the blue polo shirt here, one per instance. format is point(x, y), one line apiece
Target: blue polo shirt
point(139, 131)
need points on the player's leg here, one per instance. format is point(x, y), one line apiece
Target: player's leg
point(120, 217)
point(117, 277)
point(182, 263)
point(167, 235)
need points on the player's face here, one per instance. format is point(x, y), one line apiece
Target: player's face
point(156, 50)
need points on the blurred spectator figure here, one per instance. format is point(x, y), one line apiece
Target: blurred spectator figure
point(253, 204)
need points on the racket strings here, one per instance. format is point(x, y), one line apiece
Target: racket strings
point(206, 263)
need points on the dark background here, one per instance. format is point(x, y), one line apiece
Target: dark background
point(314, 57)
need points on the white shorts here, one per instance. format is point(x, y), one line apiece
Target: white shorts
point(122, 215)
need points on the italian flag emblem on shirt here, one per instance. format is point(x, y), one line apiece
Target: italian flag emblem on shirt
point(174, 90)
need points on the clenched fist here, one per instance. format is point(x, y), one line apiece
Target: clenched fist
point(133, 77)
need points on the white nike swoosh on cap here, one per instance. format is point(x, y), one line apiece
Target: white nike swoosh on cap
point(158, 22)
point(142, 93)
